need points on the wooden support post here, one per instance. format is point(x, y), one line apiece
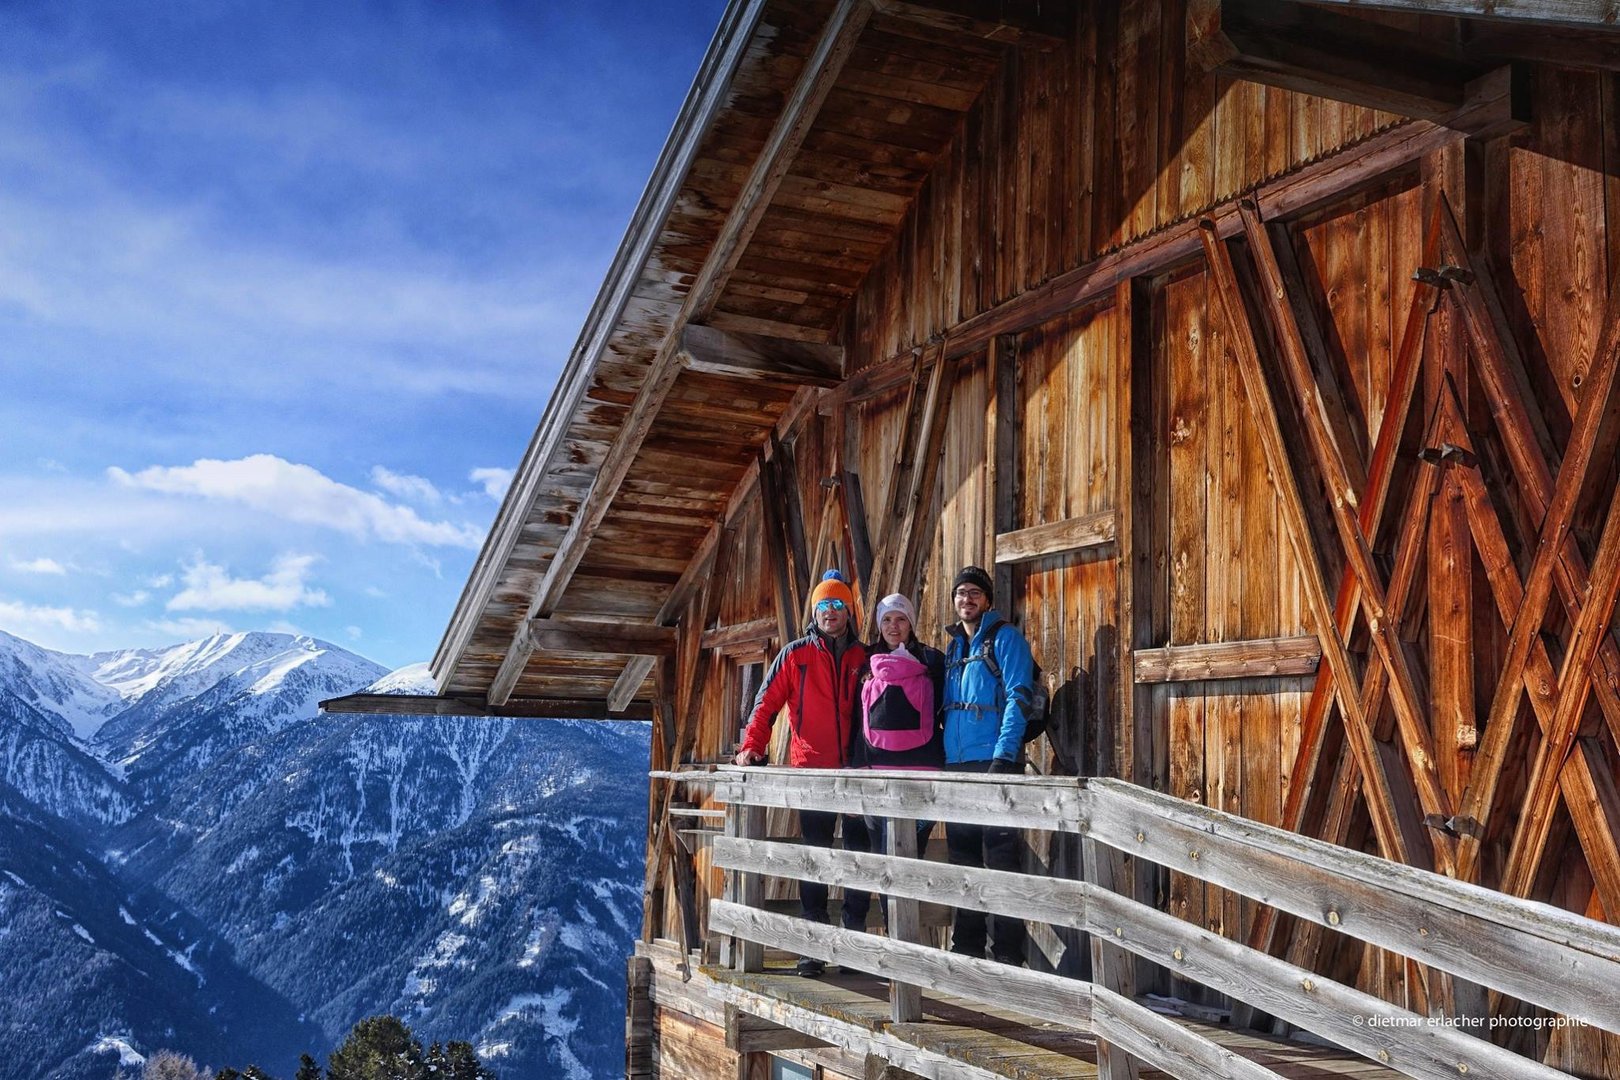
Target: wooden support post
point(905, 999)
point(747, 889)
point(1111, 966)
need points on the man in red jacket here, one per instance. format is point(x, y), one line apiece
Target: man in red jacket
point(815, 678)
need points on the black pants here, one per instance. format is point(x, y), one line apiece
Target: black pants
point(818, 827)
point(993, 849)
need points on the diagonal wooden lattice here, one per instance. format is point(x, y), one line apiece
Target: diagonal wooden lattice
point(1565, 766)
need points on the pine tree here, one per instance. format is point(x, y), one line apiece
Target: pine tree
point(307, 1069)
point(461, 1063)
point(379, 1048)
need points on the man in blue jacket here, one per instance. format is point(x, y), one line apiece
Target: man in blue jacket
point(989, 688)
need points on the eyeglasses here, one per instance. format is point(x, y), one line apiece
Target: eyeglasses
point(969, 592)
point(829, 605)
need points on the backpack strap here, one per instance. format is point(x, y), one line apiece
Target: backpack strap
point(987, 647)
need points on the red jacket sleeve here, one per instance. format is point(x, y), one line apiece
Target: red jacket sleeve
point(772, 696)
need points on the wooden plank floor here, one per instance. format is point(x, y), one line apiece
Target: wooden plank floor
point(1015, 1046)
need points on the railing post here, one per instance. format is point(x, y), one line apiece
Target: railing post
point(1111, 966)
point(748, 823)
point(905, 1000)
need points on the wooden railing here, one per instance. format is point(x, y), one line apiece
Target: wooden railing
point(1532, 952)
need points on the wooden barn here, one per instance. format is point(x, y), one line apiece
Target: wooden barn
point(1267, 351)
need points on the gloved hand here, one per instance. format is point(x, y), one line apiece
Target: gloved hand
point(1002, 765)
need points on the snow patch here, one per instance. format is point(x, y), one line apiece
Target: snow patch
point(545, 1011)
point(128, 1056)
point(123, 913)
point(82, 932)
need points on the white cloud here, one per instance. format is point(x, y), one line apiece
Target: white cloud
point(375, 593)
point(52, 465)
point(190, 627)
point(134, 599)
point(414, 488)
point(41, 565)
point(282, 626)
point(301, 494)
point(493, 481)
point(29, 617)
point(354, 632)
point(211, 588)
point(160, 581)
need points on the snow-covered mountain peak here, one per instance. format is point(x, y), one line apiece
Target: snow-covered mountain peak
point(413, 679)
point(58, 685)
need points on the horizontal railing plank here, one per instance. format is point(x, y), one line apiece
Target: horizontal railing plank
point(1057, 901)
point(1531, 951)
point(1425, 1047)
point(1032, 993)
point(1054, 803)
point(1164, 1044)
point(888, 1043)
point(1260, 658)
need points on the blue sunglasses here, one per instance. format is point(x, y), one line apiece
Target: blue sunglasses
point(829, 605)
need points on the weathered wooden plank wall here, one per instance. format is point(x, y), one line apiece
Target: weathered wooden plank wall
point(1071, 153)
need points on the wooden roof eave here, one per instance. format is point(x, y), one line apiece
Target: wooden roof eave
point(703, 102)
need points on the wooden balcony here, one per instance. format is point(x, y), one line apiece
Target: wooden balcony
point(901, 1004)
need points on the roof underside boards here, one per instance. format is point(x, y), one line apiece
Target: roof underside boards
point(894, 108)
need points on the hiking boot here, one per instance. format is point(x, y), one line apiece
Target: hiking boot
point(810, 968)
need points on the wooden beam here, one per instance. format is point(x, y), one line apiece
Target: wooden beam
point(628, 684)
point(1589, 14)
point(793, 123)
point(1397, 841)
point(523, 707)
point(1030, 26)
point(911, 536)
point(1004, 469)
point(1056, 538)
point(1260, 658)
point(1327, 55)
point(587, 636)
point(741, 637)
point(760, 359)
point(749, 1034)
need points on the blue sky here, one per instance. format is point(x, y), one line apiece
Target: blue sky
point(284, 288)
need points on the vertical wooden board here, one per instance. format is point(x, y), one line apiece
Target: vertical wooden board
point(1146, 170)
point(1181, 347)
point(1223, 588)
point(689, 1049)
point(1082, 135)
point(1525, 280)
point(1192, 168)
point(1277, 113)
point(963, 509)
point(1184, 702)
point(1177, 95)
point(1609, 108)
point(1037, 208)
point(1235, 97)
point(1105, 180)
point(1571, 221)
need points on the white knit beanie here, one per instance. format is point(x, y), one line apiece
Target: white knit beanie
point(897, 602)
